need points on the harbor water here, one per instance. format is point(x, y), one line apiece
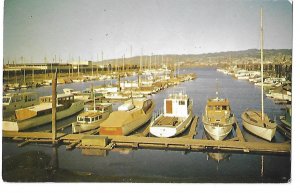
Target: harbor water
point(144, 165)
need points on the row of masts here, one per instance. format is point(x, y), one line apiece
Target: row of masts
point(71, 70)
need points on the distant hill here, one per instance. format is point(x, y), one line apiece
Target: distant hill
point(278, 55)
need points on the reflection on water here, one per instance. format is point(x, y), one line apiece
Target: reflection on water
point(147, 165)
point(219, 156)
point(95, 152)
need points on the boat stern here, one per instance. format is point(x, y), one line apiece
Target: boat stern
point(163, 131)
point(10, 126)
point(110, 131)
point(76, 128)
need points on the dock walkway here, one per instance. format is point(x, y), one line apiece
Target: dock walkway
point(186, 142)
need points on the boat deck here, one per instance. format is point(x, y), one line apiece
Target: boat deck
point(168, 121)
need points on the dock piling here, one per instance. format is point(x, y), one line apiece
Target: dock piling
point(54, 96)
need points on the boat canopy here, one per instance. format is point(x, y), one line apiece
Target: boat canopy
point(126, 107)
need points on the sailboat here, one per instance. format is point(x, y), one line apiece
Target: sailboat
point(255, 121)
point(24, 85)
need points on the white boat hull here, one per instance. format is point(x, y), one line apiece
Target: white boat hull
point(81, 127)
point(41, 120)
point(262, 132)
point(217, 132)
point(168, 131)
point(78, 128)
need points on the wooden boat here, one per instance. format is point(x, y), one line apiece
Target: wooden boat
point(253, 122)
point(257, 122)
point(218, 118)
point(92, 117)
point(41, 114)
point(14, 101)
point(116, 96)
point(130, 116)
point(176, 118)
point(77, 94)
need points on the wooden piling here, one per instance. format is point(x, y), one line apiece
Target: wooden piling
point(54, 97)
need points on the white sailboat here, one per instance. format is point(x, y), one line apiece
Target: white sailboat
point(255, 121)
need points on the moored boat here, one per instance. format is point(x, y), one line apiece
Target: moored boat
point(254, 121)
point(263, 128)
point(218, 119)
point(41, 114)
point(92, 117)
point(130, 116)
point(176, 117)
point(14, 101)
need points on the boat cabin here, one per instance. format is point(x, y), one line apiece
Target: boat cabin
point(89, 117)
point(217, 109)
point(177, 105)
point(61, 99)
point(218, 105)
point(11, 98)
point(13, 101)
point(101, 107)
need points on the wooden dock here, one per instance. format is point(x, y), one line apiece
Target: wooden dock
point(185, 142)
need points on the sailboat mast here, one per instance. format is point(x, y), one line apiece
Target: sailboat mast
point(261, 63)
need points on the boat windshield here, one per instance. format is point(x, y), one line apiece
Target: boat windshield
point(6, 99)
point(80, 119)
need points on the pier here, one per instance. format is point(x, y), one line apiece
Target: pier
point(185, 142)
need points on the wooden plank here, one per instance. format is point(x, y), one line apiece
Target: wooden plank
point(153, 142)
point(73, 145)
point(284, 131)
point(192, 130)
point(23, 143)
point(43, 135)
point(242, 146)
point(238, 132)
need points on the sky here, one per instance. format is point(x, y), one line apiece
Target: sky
point(66, 29)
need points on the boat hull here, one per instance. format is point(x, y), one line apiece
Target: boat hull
point(82, 127)
point(262, 132)
point(217, 132)
point(169, 131)
point(41, 120)
point(78, 128)
point(129, 127)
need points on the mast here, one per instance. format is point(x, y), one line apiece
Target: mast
point(78, 70)
point(32, 70)
point(261, 63)
point(97, 65)
point(150, 61)
point(123, 63)
point(94, 100)
point(24, 70)
point(102, 60)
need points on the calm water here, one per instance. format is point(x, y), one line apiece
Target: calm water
point(186, 166)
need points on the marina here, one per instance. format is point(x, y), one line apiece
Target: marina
point(193, 139)
point(148, 92)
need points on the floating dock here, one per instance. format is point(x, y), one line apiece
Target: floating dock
point(186, 141)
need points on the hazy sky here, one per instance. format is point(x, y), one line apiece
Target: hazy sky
point(72, 28)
